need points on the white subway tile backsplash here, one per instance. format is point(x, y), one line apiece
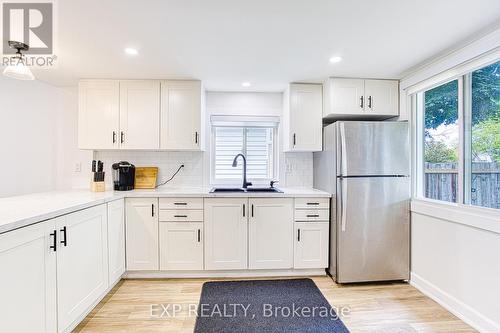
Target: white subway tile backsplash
point(167, 162)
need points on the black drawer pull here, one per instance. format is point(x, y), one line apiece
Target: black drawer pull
point(180, 203)
point(180, 216)
point(312, 203)
point(54, 244)
point(64, 240)
point(312, 215)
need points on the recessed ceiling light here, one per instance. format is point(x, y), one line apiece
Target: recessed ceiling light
point(131, 51)
point(335, 59)
point(246, 84)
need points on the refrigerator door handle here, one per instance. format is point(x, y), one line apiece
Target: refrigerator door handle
point(343, 157)
point(343, 204)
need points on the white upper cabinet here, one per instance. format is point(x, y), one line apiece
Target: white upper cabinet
point(270, 229)
point(139, 114)
point(141, 221)
point(302, 118)
point(360, 99)
point(382, 97)
point(181, 115)
point(345, 96)
point(226, 233)
point(98, 115)
point(28, 279)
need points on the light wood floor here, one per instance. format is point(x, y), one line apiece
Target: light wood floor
point(392, 308)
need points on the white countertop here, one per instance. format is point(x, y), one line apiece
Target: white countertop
point(20, 211)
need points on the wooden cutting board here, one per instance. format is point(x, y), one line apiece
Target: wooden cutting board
point(145, 177)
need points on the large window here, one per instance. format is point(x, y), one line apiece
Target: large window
point(483, 162)
point(256, 143)
point(441, 142)
point(460, 135)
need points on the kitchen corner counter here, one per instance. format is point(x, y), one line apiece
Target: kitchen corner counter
point(21, 211)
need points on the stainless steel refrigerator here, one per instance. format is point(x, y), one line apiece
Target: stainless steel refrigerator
point(365, 165)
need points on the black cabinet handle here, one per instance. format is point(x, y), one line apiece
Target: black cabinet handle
point(199, 235)
point(54, 243)
point(294, 139)
point(122, 137)
point(313, 215)
point(196, 137)
point(152, 210)
point(114, 137)
point(361, 101)
point(370, 102)
point(244, 209)
point(64, 240)
point(252, 210)
point(312, 203)
point(180, 216)
point(298, 235)
point(180, 203)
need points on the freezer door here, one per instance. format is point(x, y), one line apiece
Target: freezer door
point(372, 148)
point(373, 229)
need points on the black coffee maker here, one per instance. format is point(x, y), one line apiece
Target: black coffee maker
point(123, 176)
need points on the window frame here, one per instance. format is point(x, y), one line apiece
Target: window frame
point(237, 181)
point(416, 101)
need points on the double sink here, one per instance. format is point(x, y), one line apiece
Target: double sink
point(245, 190)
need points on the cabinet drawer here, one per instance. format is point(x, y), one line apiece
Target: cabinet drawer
point(312, 203)
point(181, 203)
point(176, 215)
point(312, 215)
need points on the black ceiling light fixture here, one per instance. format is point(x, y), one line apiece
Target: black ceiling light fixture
point(17, 67)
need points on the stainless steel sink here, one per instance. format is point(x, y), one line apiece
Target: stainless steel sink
point(242, 190)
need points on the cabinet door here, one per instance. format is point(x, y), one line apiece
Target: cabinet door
point(306, 111)
point(346, 97)
point(270, 228)
point(116, 240)
point(311, 244)
point(82, 263)
point(28, 280)
point(98, 114)
point(181, 115)
point(139, 114)
point(142, 234)
point(225, 233)
point(181, 246)
point(382, 97)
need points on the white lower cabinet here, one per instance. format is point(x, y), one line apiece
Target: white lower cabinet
point(116, 240)
point(225, 233)
point(142, 233)
point(181, 246)
point(311, 244)
point(82, 263)
point(270, 229)
point(28, 280)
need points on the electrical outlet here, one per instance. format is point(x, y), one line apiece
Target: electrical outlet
point(78, 167)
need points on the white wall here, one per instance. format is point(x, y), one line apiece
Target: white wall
point(38, 138)
point(459, 266)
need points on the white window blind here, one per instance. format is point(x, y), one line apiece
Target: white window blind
point(256, 143)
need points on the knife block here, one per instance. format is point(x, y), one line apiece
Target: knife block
point(97, 186)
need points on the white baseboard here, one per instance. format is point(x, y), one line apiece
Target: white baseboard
point(223, 274)
point(455, 306)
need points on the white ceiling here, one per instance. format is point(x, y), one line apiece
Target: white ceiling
point(266, 42)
